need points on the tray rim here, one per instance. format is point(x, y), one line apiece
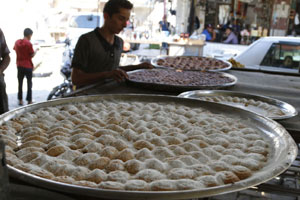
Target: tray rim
point(287, 154)
point(185, 88)
point(154, 60)
point(273, 101)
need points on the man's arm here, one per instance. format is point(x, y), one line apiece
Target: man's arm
point(229, 39)
point(4, 63)
point(5, 58)
point(80, 78)
point(144, 65)
point(34, 52)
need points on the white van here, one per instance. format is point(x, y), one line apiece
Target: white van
point(81, 23)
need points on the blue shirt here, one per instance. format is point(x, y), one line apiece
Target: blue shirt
point(207, 34)
point(164, 25)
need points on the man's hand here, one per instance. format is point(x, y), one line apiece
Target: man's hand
point(145, 65)
point(119, 75)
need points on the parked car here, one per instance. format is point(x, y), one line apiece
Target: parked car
point(279, 54)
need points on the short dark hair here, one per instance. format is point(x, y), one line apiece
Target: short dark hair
point(113, 6)
point(28, 32)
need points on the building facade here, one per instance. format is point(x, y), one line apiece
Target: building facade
point(260, 17)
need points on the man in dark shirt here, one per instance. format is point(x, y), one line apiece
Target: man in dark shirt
point(4, 62)
point(97, 53)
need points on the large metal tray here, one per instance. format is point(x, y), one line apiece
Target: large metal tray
point(178, 88)
point(283, 154)
point(154, 63)
point(288, 110)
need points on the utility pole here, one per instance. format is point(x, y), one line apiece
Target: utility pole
point(165, 9)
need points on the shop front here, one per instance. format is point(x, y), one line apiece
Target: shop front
point(251, 19)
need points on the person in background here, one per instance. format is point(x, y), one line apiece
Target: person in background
point(245, 35)
point(25, 53)
point(4, 62)
point(97, 53)
point(231, 37)
point(210, 33)
point(236, 28)
point(164, 27)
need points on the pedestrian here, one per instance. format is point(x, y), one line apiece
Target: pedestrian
point(164, 27)
point(231, 37)
point(25, 53)
point(4, 62)
point(97, 53)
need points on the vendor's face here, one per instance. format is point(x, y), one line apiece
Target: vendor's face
point(118, 21)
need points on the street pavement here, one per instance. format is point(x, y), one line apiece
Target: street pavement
point(47, 75)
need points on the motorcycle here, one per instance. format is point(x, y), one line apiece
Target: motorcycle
point(67, 86)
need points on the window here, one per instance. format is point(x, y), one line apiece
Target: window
point(85, 21)
point(285, 55)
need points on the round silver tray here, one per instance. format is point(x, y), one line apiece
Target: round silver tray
point(179, 88)
point(286, 108)
point(283, 154)
point(154, 63)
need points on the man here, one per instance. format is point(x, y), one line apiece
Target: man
point(97, 53)
point(164, 25)
point(231, 37)
point(25, 52)
point(210, 33)
point(4, 62)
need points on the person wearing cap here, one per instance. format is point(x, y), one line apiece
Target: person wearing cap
point(210, 33)
point(231, 37)
point(97, 53)
point(4, 62)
